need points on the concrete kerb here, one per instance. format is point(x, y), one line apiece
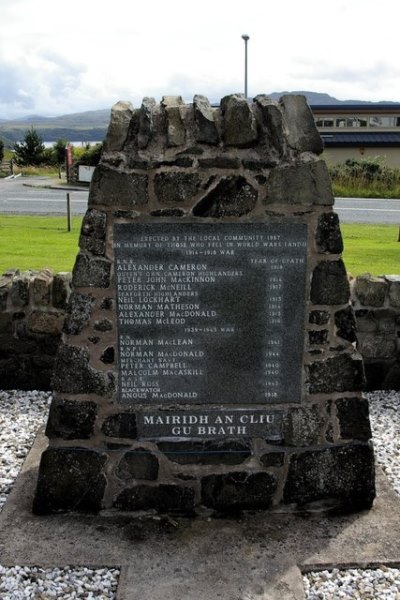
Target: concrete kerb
point(206, 558)
point(54, 185)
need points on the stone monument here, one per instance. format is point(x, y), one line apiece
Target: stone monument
point(208, 355)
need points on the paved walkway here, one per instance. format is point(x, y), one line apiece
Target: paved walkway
point(257, 555)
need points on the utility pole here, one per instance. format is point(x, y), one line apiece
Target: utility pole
point(246, 38)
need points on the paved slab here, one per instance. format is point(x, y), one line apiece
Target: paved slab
point(255, 556)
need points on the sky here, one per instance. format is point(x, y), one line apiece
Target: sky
point(65, 57)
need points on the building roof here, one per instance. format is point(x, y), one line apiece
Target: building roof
point(372, 107)
point(340, 139)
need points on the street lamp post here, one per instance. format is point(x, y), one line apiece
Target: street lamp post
point(246, 38)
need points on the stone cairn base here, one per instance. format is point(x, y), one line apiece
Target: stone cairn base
point(242, 162)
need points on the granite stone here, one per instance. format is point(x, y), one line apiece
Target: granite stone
point(239, 490)
point(329, 283)
point(71, 419)
point(342, 476)
point(138, 464)
point(232, 197)
point(70, 479)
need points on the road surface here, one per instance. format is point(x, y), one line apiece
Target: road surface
point(17, 198)
point(368, 210)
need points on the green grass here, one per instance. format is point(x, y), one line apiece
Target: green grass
point(361, 190)
point(371, 248)
point(36, 242)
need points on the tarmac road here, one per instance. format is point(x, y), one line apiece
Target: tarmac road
point(17, 197)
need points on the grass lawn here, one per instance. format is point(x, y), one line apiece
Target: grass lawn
point(29, 242)
point(371, 248)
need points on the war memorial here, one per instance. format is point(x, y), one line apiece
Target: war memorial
point(208, 358)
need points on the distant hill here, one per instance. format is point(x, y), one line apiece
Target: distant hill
point(88, 126)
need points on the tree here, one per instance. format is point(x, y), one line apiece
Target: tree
point(1, 150)
point(59, 151)
point(31, 151)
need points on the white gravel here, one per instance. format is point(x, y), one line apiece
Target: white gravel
point(21, 414)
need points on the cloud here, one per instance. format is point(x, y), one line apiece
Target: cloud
point(13, 88)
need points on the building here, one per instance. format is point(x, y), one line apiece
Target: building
point(359, 131)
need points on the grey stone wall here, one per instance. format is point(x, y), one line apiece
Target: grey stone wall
point(376, 302)
point(241, 162)
point(32, 310)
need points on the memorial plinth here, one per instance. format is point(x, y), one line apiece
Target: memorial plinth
point(201, 362)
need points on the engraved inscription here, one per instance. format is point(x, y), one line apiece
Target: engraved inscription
point(210, 313)
point(210, 424)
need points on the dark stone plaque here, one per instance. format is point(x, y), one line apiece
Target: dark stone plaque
point(210, 313)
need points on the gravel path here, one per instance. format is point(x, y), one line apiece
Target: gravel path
point(22, 413)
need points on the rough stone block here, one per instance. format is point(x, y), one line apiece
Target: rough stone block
point(242, 490)
point(302, 133)
point(3, 298)
point(273, 459)
point(329, 283)
point(138, 464)
point(319, 317)
point(168, 212)
point(176, 132)
point(171, 188)
point(272, 125)
point(240, 127)
point(394, 290)
point(206, 452)
point(146, 122)
point(91, 272)
point(115, 188)
point(378, 346)
point(121, 425)
point(232, 197)
point(20, 290)
point(70, 479)
point(319, 337)
point(371, 291)
point(304, 426)
point(338, 374)
point(44, 322)
point(328, 236)
point(353, 415)
point(61, 289)
point(6, 323)
point(204, 117)
point(121, 114)
point(74, 375)
point(41, 287)
point(103, 325)
point(93, 232)
point(342, 475)
point(167, 498)
point(346, 324)
point(78, 314)
point(366, 321)
point(306, 183)
point(71, 420)
point(391, 380)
